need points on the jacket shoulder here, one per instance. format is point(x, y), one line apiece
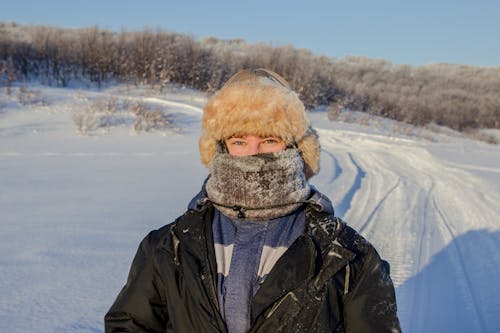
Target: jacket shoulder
point(158, 237)
point(331, 232)
point(349, 238)
point(168, 237)
point(334, 229)
point(163, 237)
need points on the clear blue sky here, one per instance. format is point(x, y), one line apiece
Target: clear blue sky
point(405, 32)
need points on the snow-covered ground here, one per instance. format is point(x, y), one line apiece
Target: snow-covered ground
point(73, 207)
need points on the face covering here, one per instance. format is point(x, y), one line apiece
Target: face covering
point(258, 187)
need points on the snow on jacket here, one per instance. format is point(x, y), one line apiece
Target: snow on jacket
point(329, 280)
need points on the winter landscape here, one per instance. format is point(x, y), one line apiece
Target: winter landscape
point(86, 173)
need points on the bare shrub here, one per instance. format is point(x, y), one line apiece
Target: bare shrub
point(481, 136)
point(100, 113)
point(28, 96)
point(105, 113)
point(334, 110)
point(107, 109)
point(403, 128)
point(86, 120)
point(7, 75)
point(147, 119)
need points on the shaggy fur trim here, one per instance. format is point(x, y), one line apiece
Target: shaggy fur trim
point(310, 149)
point(261, 103)
point(265, 186)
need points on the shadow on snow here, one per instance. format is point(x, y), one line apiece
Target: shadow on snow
point(458, 290)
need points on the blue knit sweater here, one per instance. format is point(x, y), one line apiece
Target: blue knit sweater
point(246, 251)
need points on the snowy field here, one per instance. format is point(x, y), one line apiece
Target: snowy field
point(73, 206)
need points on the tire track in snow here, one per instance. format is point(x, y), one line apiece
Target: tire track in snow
point(417, 300)
point(336, 169)
point(417, 244)
point(377, 207)
point(155, 100)
point(433, 239)
point(170, 103)
point(416, 297)
point(473, 167)
point(345, 204)
point(403, 219)
point(462, 266)
point(340, 175)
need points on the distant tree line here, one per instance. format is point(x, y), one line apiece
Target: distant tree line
point(457, 96)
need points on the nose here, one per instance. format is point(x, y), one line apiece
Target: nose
point(253, 148)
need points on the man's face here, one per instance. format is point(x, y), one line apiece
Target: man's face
point(251, 145)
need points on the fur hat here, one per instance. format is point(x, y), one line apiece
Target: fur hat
point(258, 102)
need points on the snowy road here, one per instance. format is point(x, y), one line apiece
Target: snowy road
point(73, 209)
point(436, 224)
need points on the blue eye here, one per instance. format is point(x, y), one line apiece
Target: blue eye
point(272, 141)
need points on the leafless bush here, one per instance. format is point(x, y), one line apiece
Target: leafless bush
point(481, 136)
point(7, 75)
point(100, 113)
point(334, 110)
point(86, 120)
point(147, 119)
point(109, 112)
point(28, 96)
point(359, 118)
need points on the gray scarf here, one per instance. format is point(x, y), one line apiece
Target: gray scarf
point(258, 187)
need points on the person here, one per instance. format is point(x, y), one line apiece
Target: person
point(259, 248)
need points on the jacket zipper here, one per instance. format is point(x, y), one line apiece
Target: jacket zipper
point(210, 282)
point(207, 278)
point(277, 304)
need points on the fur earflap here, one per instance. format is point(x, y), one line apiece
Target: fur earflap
point(258, 102)
point(310, 149)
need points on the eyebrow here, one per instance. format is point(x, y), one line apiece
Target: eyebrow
point(263, 137)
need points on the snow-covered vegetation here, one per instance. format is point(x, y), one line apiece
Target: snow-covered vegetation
point(459, 97)
point(76, 200)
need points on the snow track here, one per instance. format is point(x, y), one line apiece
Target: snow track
point(416, 208)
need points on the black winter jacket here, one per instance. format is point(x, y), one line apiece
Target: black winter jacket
point(330, 280)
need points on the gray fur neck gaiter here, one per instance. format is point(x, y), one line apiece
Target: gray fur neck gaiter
point(258, 187)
